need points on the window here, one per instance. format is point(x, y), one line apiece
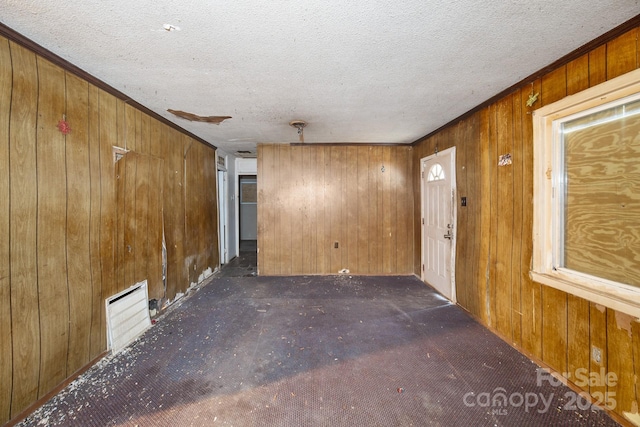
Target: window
point(436, 173)
point(587, 194)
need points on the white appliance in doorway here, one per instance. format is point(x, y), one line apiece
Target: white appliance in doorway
point(438, 204)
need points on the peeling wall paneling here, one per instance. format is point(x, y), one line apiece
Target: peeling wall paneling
point(155, 230)
point(66, 230)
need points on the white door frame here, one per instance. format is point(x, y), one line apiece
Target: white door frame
point(423, 177)
point(223, 222)
point(222, 182)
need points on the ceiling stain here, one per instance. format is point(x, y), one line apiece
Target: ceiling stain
point(216, 120)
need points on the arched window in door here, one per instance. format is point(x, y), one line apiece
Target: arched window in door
point(436, 173)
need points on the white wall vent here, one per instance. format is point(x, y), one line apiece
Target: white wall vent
point(127, 316)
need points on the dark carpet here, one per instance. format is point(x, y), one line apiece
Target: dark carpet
point(316, 351)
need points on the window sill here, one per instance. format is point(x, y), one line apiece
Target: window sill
point(625, 299)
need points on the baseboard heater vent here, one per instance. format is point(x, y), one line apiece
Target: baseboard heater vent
point(127, 316)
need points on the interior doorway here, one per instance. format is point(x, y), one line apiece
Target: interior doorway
point(248, 189)
point(438, 221)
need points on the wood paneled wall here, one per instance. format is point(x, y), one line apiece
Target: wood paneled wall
point(495, 233)
point(72, 233)
point(312, 197)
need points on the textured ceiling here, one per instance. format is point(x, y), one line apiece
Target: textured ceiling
point(357, 71)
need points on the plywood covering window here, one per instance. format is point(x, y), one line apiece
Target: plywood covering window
point(587, 194)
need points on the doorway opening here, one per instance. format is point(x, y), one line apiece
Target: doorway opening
point(246, 263)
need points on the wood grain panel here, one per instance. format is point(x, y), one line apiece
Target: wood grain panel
point(484, 288)
point(6, 359)
point(635, 332)
point(266, 167)
point(471, 140)
point(598, 342)
point(344, 206)
point(173, 202)
point(622, 54)
point(145, 134)
point(284, 235)
point(97, 306)
point(336, 184)
point(554, 86)
point(598, 65)
point(504, 210)
point(128, 211)
point(142, 231)
point(335, 203)
point(578, 313)
point(471, 143)
point(395, 190)
point(121, 198)
point(191, 201)
point(53, 294)
point(180, 208)
point(404, 210)
point(323, 225)
point(554, 328)
point(493, 214)
point(78, 224)
point(531, 294)
point(306, 187)
point(126, 116)
point(620, 361)
point(376, 211)
point(155, 230)
point(297, 200)
point(578, 75)
point(517, 155)
point(362, 160)
point(25, 321)
point(200, 203)
point(461, 227)
point(107, 111)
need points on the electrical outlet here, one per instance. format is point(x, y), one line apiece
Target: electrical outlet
point(335, 245)
point(463, 201)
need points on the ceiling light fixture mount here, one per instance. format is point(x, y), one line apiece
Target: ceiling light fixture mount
point(300, 125)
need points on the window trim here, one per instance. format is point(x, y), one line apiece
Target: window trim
point(618, 296)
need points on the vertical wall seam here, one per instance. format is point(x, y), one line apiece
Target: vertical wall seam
point(8, 133)
point(36, 227)
point(66, 234)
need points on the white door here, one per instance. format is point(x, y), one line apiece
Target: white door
point(438, 221)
